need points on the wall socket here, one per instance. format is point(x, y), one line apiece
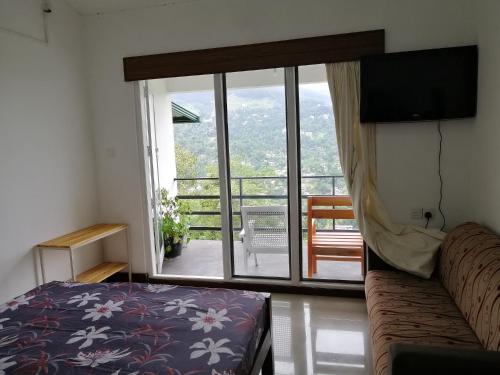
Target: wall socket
point(431, 210)
point(419, 213)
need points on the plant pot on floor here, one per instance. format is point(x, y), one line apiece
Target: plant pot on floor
point(173, 250)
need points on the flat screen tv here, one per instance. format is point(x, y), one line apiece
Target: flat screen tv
point(419, 85)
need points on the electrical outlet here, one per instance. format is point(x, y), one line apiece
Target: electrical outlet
point(431, 210)
point(416, 213)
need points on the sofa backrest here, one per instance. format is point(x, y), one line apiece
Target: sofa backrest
point(469, 269)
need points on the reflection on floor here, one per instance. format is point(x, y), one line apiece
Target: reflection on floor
point(204, 258)
point(320, 335)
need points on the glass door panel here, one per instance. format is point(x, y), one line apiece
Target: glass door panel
point(257, 143)
point(187, 139)
point(321, 174)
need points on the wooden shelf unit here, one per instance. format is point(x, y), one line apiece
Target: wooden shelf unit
point(86, 236)
point(100, 272)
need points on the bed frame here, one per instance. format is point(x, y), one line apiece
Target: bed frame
point(264, 359)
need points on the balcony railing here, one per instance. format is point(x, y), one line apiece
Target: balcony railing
point(335, 184)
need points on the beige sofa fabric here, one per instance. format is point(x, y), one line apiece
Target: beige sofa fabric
point(405, 308)
point(470, 271)
point(460, 308)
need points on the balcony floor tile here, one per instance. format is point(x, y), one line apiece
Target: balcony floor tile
point(204, 258)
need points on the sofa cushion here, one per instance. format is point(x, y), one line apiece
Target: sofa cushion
point(405, 308)
point(469, 269)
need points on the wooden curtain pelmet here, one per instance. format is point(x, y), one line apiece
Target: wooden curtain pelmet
point(295, 52)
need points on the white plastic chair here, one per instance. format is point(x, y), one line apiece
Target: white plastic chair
point(265, 230)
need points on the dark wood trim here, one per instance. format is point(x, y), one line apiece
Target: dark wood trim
point(294, 52)
point(289, 289)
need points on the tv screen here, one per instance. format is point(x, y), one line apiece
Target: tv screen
point(419, 85)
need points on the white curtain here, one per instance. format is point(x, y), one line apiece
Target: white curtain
point(408, 248)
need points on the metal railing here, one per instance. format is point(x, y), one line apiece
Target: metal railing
point(240, 197)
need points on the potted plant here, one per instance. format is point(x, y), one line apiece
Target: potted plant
point(175, 227)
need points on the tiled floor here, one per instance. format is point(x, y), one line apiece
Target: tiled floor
point(320, 335)
point(204, 258)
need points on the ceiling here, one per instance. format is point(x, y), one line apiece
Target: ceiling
point(89, 7)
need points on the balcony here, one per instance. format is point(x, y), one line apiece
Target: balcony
point(202, 256)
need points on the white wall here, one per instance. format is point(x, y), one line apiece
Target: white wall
point(22, 17)
point(47, 182)
point(406, 154)
point(164, 134)
point(486, 151)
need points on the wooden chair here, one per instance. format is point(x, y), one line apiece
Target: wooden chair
point(337, 245)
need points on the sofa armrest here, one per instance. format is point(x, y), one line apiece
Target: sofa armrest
point(411, 359)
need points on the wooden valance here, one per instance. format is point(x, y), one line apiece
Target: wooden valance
point(295, 52)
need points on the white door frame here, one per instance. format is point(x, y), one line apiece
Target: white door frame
point(224, 176)
point(145, 180)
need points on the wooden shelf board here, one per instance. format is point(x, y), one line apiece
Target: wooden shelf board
point(83, 237)
point(101, 272)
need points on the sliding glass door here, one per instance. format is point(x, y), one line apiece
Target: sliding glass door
point(257, 140)
point(186, 140)
point(244, 151)
point(321, 176)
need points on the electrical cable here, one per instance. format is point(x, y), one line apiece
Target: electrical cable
point(440, 175)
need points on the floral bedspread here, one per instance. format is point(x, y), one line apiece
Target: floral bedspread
point(130, 328)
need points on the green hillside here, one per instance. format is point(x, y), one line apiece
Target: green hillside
point(257, 147)
point(257, 138)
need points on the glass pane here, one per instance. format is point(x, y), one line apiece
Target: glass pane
point(189, 172)
point(258, 164)
point(321, 175)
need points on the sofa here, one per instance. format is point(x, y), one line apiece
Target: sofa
point(448, 324)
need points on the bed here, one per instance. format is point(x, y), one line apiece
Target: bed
point(133, 328)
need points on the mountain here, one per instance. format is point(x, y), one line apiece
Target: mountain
point(257, 131)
